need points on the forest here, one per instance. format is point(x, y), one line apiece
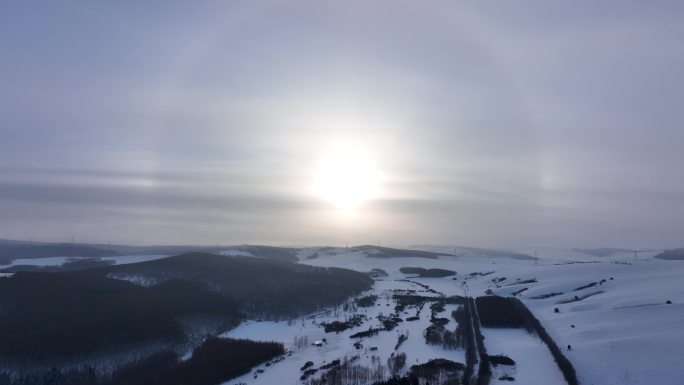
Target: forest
point(49, 315)
point(216, 360)
point(62, 314)
point(266, 289)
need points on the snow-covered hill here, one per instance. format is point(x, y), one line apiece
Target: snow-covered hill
point(613, 312)
point(621, 316)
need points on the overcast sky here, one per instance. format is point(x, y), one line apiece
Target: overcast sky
point(508, 124)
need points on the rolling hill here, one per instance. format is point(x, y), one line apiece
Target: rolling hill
point(265, 288)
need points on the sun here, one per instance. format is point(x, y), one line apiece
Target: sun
point(347, 177)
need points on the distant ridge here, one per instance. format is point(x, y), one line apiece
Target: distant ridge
point(463, 251)
point(10, 252)
point(268, 286)
point(603, 251)
point(286, 254)
point(388, 252)
point(672, 255)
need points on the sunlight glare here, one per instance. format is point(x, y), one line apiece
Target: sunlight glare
point(347, 178)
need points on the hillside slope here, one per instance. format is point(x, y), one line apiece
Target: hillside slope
point(49, 315)
point(266, 288)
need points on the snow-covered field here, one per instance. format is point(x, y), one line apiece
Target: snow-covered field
point(613, 311)
point(533, 363)
point(375, 349)
point(623, 332)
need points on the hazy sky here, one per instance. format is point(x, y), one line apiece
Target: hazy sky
point(536, 123)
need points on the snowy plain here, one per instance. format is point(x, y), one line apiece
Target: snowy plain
point(621, 316)
point(375, 349)
point(624, 332)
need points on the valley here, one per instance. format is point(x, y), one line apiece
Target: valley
point(360, 316)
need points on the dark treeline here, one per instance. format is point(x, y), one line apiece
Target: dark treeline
point(405, 300)
point(74, 376)
point(578, 298)
point(367, 301)
point(547, 295)
point(340, 326)
point(400, 381)
point(498, 312)
point(495, 253)
point(484, 373)
point(388, 252)
point(522, 282)
point(10, 252)
point(215, 361)
point(284, 254)
point(460, 316)
point(428, 273)
point(468, 337)
point(264, 288)
point(501, 360)
point(438, 370)
point(412, 270)
point(518, 292)
point(533, 323)
point(48, 315)
point(437, 333)
point(674, 254)
point(72, 264)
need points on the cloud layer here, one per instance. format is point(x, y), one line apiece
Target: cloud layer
point(493, 124)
